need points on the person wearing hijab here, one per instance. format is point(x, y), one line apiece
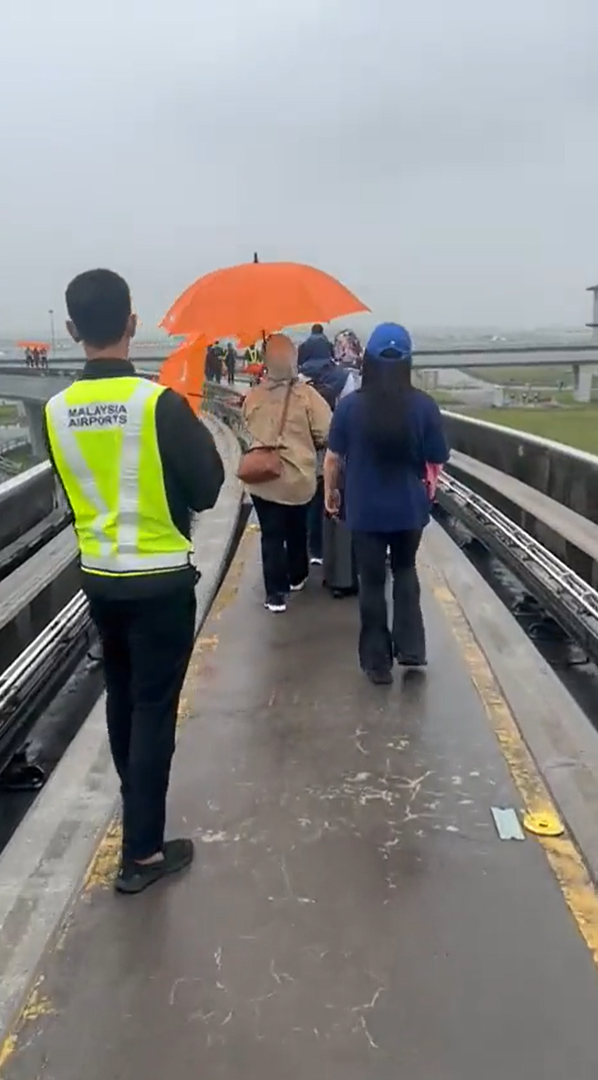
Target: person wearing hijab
point(348, 353)
point(347, 349)
point(383, 437)
point(281, 504)
point(319, 367)
point(338, 558)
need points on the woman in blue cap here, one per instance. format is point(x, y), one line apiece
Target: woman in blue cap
point(382, 437)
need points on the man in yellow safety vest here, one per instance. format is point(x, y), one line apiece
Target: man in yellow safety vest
point(134, 462)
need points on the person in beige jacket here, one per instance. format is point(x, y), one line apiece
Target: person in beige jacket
point(281, 504)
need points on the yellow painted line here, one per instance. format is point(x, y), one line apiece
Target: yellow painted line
point(565, 861)
point(104, 864)
point(7, 1050)
point(35, 1008)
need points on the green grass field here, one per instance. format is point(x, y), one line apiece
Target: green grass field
point(447, 397)
point(576, 426)
point(8, 415)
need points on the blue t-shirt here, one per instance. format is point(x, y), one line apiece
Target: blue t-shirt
point(377, 500)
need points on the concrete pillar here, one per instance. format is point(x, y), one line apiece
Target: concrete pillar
point(498, 397)
point(427, 379)
point(594, 314)
point(583, 378)
point(33, 413)
point(594, 323)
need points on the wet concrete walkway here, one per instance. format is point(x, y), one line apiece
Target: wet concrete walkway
point(352, 914)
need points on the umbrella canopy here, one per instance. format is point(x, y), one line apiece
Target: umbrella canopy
point(190, 346)
point(184, 371)
point(247, 339)
point(257, 298)
point(181, 302)
point(32, 345)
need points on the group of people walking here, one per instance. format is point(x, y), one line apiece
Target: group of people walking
point(356, 441)
point(36, 358)
point(351, 441)
point(221, 361)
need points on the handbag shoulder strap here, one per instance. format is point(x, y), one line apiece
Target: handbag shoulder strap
point(285, 411)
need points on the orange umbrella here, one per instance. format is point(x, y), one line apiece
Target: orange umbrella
point(257, 298)
point(183, 299)
point(184, 371)
point(247, 339)
point(32, 345)
point(190, 341)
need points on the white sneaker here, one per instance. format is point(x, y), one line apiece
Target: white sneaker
point(299, 587)
point(275, 603)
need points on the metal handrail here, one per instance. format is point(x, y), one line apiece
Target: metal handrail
point(568, 597)
point(32, 680)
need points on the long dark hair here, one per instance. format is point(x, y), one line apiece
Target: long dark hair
point(386, 392)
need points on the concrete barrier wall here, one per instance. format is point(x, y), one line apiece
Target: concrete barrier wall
point(568, 476)
point(34, 616)
point(25, 500)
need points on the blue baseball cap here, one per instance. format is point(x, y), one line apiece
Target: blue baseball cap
point(392, 339)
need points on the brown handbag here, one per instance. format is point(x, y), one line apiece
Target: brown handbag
point(264, 463)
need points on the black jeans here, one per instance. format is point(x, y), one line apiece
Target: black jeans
point(377, 644)
point(147, 645)
point(284, 544)
point(315, 522)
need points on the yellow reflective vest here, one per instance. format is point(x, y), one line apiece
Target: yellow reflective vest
point(103, 438)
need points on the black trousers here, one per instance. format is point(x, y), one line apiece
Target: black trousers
point(284, 544)
point(147, 645)
point(379, 644)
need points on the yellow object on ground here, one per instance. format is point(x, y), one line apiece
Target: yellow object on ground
point(545, 824)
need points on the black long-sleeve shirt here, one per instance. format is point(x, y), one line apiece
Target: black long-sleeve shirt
point(193, 475)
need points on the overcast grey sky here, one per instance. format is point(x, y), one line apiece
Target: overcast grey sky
point(441, 156)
